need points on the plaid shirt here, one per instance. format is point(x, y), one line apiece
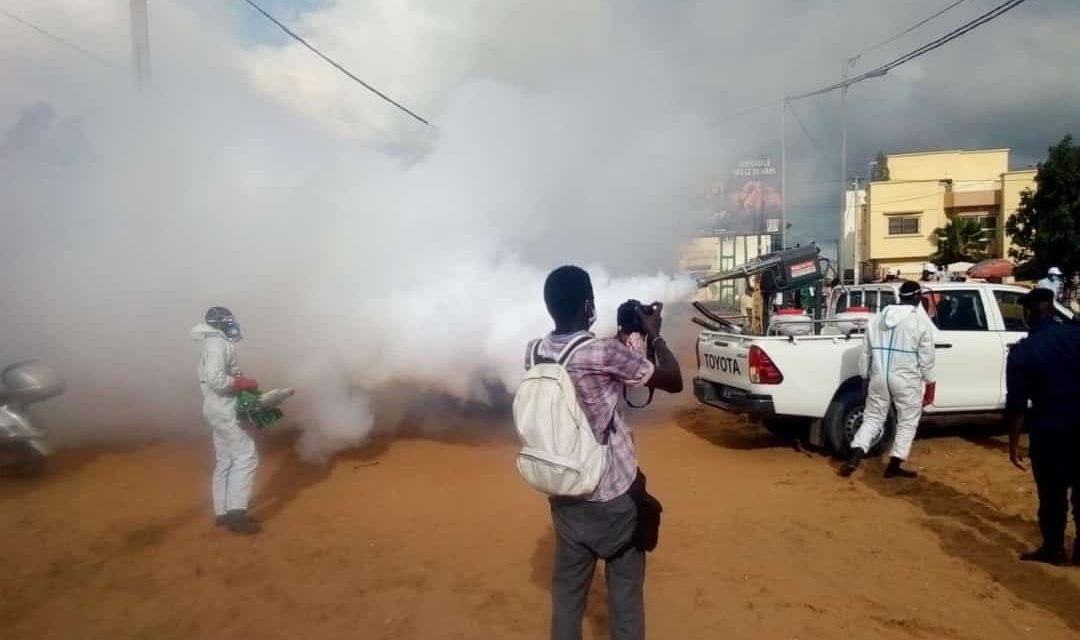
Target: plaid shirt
point(600, 370)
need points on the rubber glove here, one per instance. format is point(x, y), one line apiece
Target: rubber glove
point(240, 383)
point(929, 394)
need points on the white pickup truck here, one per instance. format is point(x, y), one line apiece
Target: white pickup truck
point(790, 382)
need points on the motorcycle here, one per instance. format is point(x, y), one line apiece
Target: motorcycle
point(24, 447)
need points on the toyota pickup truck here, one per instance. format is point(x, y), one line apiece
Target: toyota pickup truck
point(813, 381)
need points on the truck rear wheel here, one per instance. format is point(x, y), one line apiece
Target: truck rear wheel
point(843, 420)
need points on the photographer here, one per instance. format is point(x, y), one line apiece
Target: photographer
point(606, 525)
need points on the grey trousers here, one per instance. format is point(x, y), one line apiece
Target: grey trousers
point(584, 533)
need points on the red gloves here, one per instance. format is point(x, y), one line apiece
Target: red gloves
point(240, 383)
point(928, 395)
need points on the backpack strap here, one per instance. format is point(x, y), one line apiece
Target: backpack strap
point(534, 352)
point(569, 350)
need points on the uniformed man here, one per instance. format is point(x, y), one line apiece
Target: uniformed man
point(1042, 371)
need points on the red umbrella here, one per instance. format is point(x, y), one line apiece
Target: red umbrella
point(993, 268)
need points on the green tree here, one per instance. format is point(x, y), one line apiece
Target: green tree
point(880, 170)
point(1045, 229)
point(961, 240)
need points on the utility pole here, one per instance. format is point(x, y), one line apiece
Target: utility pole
point(843, 168)
point(783, 173)
point(866, 209)
point(140, 42)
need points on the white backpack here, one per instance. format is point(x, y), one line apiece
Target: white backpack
point(559, 455)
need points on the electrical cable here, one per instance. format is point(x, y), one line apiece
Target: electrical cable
point(813, 141)
point(963, 29)
point(337, 66)
point(58, 39)
point(906, 31)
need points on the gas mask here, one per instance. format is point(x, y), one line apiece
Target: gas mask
point(231, 328)
point(224, 321)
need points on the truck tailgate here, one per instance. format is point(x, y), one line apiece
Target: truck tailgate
point(725, 361)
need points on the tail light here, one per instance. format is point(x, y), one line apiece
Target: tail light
point(762, 369)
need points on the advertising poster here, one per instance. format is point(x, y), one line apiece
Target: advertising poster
point(746, 201)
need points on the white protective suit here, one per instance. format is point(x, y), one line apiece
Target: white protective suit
point(1051, 284)
point(233, 447)
point(898, 358)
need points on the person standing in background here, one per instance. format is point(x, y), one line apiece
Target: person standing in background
point(1071, 297)
point(1043, 393)
point(1053, 281)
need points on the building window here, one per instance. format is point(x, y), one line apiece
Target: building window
point(987, 221)
point(903, 225)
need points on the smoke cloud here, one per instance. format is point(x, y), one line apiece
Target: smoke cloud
point(364, 252)
point(354, 262)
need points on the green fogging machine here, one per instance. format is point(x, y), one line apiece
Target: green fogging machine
point(259, 409)
point(797, 273)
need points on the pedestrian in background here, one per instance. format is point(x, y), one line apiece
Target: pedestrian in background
point(1043, 394)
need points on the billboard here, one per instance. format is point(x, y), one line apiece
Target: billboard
point(746, 201)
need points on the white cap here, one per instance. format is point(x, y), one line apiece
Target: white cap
point(1054, 271)
point(895, 271)
point(930, 267)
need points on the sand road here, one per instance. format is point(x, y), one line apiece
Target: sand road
point(424, 538)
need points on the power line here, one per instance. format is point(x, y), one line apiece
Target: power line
point(906, 31)
point(58, 39)
point(813, 141)
point(756, 107)
point(337, 66)
point(965, 28)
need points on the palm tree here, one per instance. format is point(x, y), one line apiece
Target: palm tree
point(961, 240)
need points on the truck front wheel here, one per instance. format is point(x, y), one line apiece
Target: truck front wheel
point(843, 419)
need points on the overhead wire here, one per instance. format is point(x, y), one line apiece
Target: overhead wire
point(337, 66)
point(813, 141)
point(55, 38)
point(907, 31)
point(881, 70)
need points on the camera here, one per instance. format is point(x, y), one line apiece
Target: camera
point(627, 316)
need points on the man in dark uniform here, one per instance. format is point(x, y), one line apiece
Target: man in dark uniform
point(1043, 370)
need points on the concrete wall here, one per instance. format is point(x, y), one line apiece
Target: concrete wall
point(890, 199)
point(979, 166)
point(1013, 184)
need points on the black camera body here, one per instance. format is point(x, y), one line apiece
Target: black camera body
point(627, 316)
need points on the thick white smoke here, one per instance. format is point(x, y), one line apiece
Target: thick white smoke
point(351, 267)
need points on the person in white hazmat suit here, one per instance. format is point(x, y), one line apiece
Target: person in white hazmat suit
point(1054, 281)
point(221, 381)
point(898, 360)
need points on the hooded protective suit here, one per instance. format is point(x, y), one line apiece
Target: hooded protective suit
point(898, 359)
point(234, 448)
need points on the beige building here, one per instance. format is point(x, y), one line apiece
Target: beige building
point(924, 192)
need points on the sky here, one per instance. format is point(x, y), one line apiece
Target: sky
point(1005, 85)
point(361, 248)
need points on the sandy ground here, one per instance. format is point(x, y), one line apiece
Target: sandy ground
point(422, 538)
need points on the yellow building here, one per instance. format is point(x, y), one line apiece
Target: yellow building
point(924, 192)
